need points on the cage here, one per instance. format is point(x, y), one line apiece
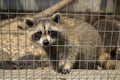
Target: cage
point(59, 40)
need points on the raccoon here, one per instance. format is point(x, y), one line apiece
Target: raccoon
point(66, 44)
point(109, 31)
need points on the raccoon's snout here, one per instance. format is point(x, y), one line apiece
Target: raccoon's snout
point(45, 42)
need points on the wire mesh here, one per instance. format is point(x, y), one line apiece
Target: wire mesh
point(23, 59)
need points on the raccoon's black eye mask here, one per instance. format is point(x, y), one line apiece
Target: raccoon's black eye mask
point(36, 36)
point(53, 34)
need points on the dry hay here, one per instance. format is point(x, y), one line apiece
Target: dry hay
point(15, 44)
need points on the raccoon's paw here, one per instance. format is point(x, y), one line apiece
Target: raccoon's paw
point(64, 69)
point(107, 65)
point(110, 65)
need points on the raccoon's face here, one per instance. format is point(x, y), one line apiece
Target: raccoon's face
point(43, 31)
point(45, 34)
point(45, 38)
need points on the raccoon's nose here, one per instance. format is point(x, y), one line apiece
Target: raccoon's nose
point(45, 42)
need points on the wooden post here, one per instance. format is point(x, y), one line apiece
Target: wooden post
point(54, 8)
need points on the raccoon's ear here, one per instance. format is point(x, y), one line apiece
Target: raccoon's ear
point(56, 17)
point(29, 22)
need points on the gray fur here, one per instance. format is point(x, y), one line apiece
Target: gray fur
point(109, 31)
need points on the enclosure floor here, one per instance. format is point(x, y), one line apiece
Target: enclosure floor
point(75, 74)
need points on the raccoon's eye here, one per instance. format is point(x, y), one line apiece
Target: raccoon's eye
point(53, 33)
point(36, 36)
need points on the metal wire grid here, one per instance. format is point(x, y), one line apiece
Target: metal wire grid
point(36, 74)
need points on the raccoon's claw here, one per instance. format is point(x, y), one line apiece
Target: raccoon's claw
point(64, 70)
